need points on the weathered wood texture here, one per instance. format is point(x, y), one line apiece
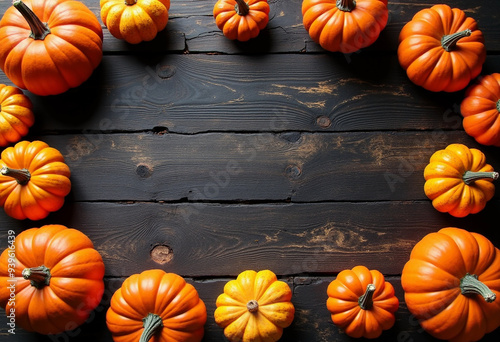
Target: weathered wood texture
point(268, 154)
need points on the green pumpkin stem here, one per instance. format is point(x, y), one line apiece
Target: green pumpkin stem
point(241, 7)
point(253, 306)
point(469, 284)
point(22, 176)
point(38, 276)
point(365, 302)
point(152, 323)
point(498, 105)
point(449, 41)
point(346, 5)
point(471, 176)
point(39, 30)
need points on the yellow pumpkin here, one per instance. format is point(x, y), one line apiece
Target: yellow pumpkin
point(135, 21)
point(256, 306)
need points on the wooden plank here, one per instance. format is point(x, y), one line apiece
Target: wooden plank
point(192, 27)
point(311, 321)
point(204, 93)
point(288, 167)
point(215, 240)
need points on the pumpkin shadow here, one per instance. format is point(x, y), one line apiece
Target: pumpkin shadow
point(70, 109)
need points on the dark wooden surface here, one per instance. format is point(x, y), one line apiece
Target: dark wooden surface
point(270, 154)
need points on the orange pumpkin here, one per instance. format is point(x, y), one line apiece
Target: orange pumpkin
point(344, 25)
point(33, 180)
point(157, 306)
point(361, 302)
point(481, 110)
point(459, 181)
point(452, 284)
point(441, 49)
point(241, 19)
point(49, 46)
point(135, 21)
point(254, 307)
point(52, 277)
point(16, 115)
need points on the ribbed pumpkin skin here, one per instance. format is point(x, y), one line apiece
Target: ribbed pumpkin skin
point(241, 27)
point(445, 185)
point(481, 110)
point(341, 30)
point(64, 59)
point(135, 21)
point(16, 114)
point(182, 312)
point(343, 303)
point(47, 187)
point(431, 281)
point(263, 322)
point(76, 284)
point(427, 63)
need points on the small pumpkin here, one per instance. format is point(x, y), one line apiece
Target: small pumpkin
point(34, 180)
point(135, 21)
point(452, 284)
point(16, 114)
point(241, 19)
point(481, 110)
point(255, 306)
point(459, 181)
point(441, 49)
point(156, 306)
point(344, 25)
point(49, 46)
point(56, 276)
point(361, 302)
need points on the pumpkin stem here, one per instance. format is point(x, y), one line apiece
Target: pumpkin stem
point(151, 323)
point(471, 176)
point(39, 30)
point(130, 2)
point(449, 41)
point(38, 276)
point(469, 284)
point(346, 5)
point(22, 176)
point(498, 105)
point(253, 305)
point(241, 7)
point(365, 302)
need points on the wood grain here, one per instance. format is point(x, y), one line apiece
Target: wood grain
point(206, 93)
point(205, 157)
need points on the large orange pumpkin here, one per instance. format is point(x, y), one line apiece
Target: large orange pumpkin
point(441, 49)
point(452, 284)
point(156, 306)
point(241, 19)
point(255, 307)
point(135, 21)
point(344, 25)
point(49, 46)
point(361, 302)
point(459, 181)
point(481, 110)
point(52, 277)
point(34, 180)
point(16, 114)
